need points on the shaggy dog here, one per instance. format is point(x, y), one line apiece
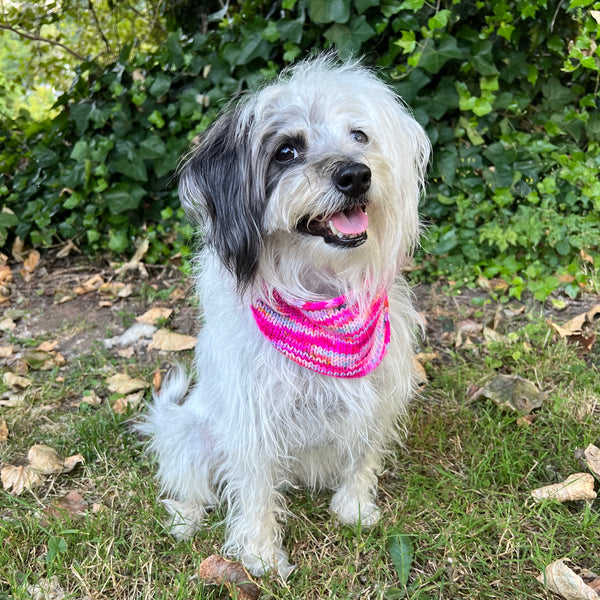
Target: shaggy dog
point(306, 193)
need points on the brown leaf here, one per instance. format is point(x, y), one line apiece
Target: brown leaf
point(3, 430)
point(157, 380)
point(130, 402)
point(44, 459)
point(153, 315)
point(511, 392)
point(561, 580)
point(6, 275)
point(592, 458)
point(89, 285)
point(67, 248)
point(71, 462)
point(17, 479)
point(419, 370)
point(220, 571)
point(71, 505)
point(29, 265)
point(16, 382)
point(6, 351)
point(17, 250)
point(579, 486)
point(121, 383)
point(170, 341)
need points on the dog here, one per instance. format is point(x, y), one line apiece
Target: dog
point(306, 195)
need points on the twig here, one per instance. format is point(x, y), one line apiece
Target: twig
point(37, 38)
point(95, 16)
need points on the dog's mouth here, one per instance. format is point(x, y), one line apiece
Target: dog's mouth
point(347, 228)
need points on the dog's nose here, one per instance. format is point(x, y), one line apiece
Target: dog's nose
point(352, 179)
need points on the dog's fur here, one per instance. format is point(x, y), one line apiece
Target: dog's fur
point(255, 421)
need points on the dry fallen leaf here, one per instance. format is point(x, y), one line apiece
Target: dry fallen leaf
point(17, 250)
point(3, 430)
point(16, 382)
point(6, 351)
point(220, 571)
point(511, 392)
point(153, 315)
point(7, 324)
point(156, 380)
point(170, 341)
point(44, 361)
point(419, 370)
point(46, 589)
point(127, 403)
point(71, 505)
point(17, 479)
point(576, 325)
point(121, 383)
point(136, 260)
point(592, 458)
point(89, 285)
point(560, 579)
point(42, 460)
point(579, 486)
point(29, 265)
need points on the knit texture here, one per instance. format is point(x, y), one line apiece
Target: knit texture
point(332, 337)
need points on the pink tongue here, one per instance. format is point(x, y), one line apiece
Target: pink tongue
point(351, 222)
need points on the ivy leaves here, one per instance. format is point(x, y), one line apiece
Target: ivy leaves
point(510, 105)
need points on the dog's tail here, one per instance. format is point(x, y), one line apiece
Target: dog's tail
point(178, 436)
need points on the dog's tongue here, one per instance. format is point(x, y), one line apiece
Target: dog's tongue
point(352, 221)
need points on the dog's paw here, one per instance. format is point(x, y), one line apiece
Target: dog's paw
point(350, 512)
point(185, 518)
point(258, 565)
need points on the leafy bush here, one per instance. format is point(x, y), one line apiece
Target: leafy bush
point(508, 93)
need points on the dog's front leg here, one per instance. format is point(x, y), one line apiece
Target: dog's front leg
point(354, 500)
point(254, 532)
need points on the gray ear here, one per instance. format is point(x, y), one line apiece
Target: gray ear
point(220, 188)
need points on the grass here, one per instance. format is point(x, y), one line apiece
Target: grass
point(459, 490)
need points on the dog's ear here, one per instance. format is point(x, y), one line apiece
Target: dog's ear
point(220, 189)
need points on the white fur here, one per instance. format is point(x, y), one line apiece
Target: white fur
point(254, 420)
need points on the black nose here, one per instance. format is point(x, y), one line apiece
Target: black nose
point(352, 179)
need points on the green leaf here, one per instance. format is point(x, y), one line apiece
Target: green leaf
point(80, 113)
point(152, 147)
point(336, 11)
point(363, 5)
point(56, 547)
point(123, 196)
point(435, 57)
point(350, 39)
point(401, 553)
point(439, 20)
point(119, 241)
point(160, 86)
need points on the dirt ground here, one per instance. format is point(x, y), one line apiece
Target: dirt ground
point(78, 302)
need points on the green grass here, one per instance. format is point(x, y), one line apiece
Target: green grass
point(459, 489)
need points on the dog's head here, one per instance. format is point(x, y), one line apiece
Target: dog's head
point(311, 184)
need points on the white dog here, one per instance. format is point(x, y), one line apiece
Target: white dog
point(307, 195)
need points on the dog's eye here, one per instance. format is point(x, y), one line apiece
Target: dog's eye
point(359, 136)
point(286, 153)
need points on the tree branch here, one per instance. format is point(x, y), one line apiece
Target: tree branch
point(37, 38)
point(99, 29)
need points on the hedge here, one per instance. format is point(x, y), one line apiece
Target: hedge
point(507, 91)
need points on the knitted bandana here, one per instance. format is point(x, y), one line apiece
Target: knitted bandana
point(331, 337)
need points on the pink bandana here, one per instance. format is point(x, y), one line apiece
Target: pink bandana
point(330, 337)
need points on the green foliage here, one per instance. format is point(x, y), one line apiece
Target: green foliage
point(507, 91)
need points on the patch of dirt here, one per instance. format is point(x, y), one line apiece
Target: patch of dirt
point(53, 306)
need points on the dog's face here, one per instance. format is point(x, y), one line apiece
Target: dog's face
point(312, 184)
